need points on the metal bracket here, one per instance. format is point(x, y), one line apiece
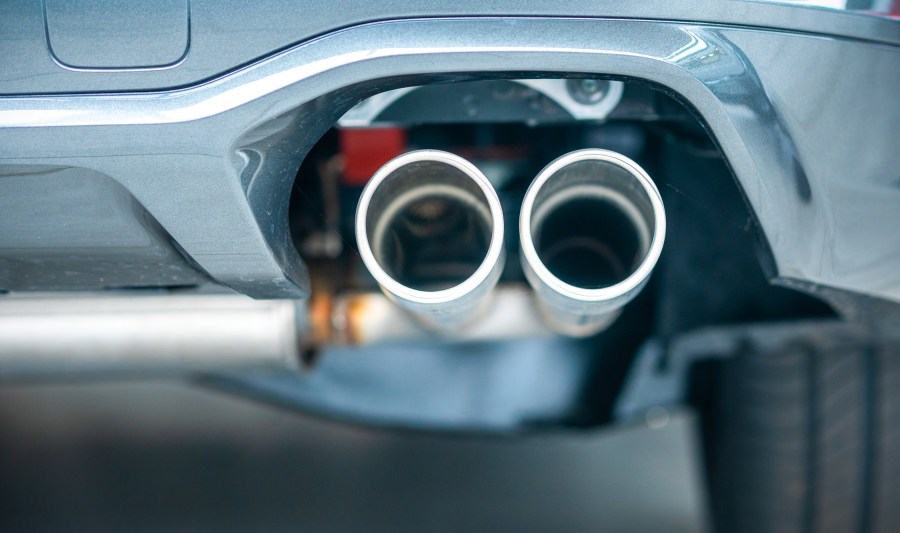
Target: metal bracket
point(582, 98)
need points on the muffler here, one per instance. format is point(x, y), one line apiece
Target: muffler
point(592, 227)
point(429, 228)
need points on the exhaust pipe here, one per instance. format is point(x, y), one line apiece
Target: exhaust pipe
point(592, 227)
point(429, 228)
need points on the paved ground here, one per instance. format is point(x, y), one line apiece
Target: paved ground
point(162, 456)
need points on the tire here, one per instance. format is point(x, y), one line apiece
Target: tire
point(805, 437)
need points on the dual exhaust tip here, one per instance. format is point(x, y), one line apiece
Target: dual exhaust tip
point(430, 229)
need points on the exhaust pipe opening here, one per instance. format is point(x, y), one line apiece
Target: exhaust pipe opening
point(592, 228)
point(430, 226)
point(594, 240)
point(430, 230)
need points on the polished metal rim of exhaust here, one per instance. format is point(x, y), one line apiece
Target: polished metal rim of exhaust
point(426, 184)
point(604, 182)
point(592, 227)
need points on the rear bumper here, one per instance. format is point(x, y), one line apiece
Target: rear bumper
point(197, 180)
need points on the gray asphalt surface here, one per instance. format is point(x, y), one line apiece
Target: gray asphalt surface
point(162, 456)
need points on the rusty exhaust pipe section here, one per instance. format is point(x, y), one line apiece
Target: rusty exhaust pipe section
point(366, 318)
point(592, 228)
point(429, 228)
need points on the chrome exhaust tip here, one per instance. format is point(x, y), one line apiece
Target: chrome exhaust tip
point(429, 228)
point(592, 228)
